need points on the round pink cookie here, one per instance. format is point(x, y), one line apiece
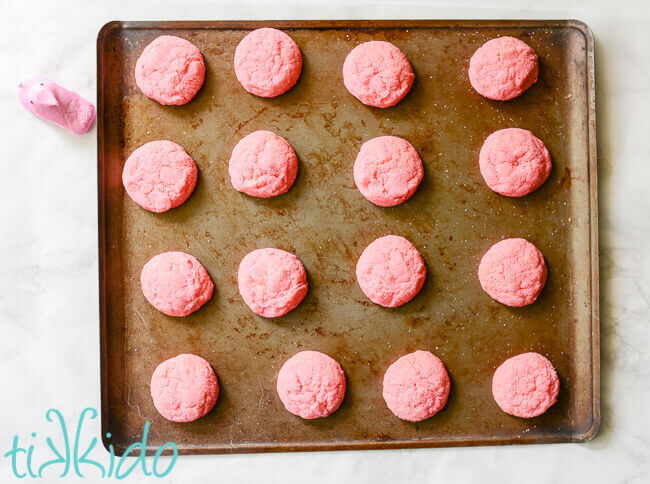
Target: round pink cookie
point(311, 385)
point(388, 170)
point(514, 162)
point(503, 68)
point(184, 388)
point(170, 70)
point(176, 283)
point(416, 386)
point(159, 176)
point(391, 271)
point(263, 164)
point(525, 385)
point(513, 272)
point(272, 282)
point(378, 74)
point(267, 62)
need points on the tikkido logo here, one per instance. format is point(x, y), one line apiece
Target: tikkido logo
point(70, 457)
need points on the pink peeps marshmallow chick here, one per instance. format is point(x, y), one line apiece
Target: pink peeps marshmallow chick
point(50, 101)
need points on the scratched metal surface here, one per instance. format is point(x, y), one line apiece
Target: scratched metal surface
point(452, 219)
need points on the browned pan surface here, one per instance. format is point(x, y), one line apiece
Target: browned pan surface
point(452, 219)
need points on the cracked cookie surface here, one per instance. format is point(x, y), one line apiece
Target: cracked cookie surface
point(388, 170)
point(391, 271)
point(416, 386)
point(175, 283)
point(272, 282)
point(170, 70)
point(184, 388)
point(267, 62)
point(311, 385)
point(263, 165)
point(503, 68)
point(378, 74)
point(513, 272)
point(159, 176)
point(525, 385)
point(514, 162)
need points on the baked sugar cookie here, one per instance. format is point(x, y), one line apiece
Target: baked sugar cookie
point(513, 272)
point(311, 385)
point(263, 165)
point(416, 386)
point(378, 74)
point(175, 283)
point(267, 62)
point(159, 176)
point(514, 162)
point(391, 271)
point(388, 170)
point(170, 70)
point(525, 385)
point(184, 388)
point(272, 282)
point(503, 68)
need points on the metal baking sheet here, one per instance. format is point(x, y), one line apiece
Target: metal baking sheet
point(452, 219)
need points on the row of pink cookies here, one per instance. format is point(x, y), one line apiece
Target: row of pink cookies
point(390, 272)
point(161, 175)
point(312, 385)
point(267, 63)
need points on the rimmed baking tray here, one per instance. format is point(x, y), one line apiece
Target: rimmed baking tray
point(452, 219)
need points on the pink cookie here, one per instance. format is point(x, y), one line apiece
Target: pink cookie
point(513, 272)
point(311, 385)
point(525, 385)
point(170, 70)
point(184, 388)
point(514, 162)
point(391, 271)
point(272, 282)
point(159, 176)
point(267, 62)
point(50, 101)
point(175, 283)
point(378, 74)
point(388, 170)
point(263, 164)
point(503, 68)
point(416, 386)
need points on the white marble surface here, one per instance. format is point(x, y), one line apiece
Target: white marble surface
point(48, 256)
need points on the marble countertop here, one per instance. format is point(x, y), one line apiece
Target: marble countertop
point(48, 248)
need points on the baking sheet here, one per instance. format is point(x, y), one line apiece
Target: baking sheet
point(452, 219)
